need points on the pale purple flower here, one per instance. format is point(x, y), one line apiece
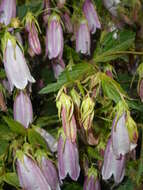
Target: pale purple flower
point(91, 16)
point(68, 159)
point(33, 38)
point(50, 173)
point(67, 22)
point(50, 140)
point(17, 71)
point(111, 6)
point(58, 66)
point(7, 11)
point(90, 183)
point(113, 165)
point(83, 38)
point(22, 109)
point(30, 176)
point(120, 137)
point(54, 38)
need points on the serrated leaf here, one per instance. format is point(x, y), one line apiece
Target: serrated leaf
point(109, 47)
point(69, 77)
point(111, 88)
point(15, 126)
point(36, 139)
point(11, 179)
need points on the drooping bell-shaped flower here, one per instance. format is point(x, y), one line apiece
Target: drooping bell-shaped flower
point(54, 38)
point(29, 174)
point(111, 6)
point(22, 109)
point(16, 69)
point(87, 112)
point(32, 29)
point(49, 171)
point(120, 136)
point(91, 181)
point(83, 38)
point(68, 159)
point(65, 110)
point(67, 22)
point(47, 11)
point(7, 11)
point(58, 66)
point(91, 16)
point(113, 165)
point(50, 140)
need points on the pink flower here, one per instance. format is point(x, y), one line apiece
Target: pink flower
point(54, 38)
point(7, 11)
point(22, 108)
point(83, 38)
point(68, 159)
point(91, 16)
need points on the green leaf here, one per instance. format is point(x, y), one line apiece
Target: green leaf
point(128, 185)
point(93, 153)
point(4, 144)
point(36, 139)
point(5, 133)
point(109, 46)
point(11, 179)
point(75, 186)
point(33, 6)
point(47, 120)
point(111, 88)
point(15, 126)
point(68, 77)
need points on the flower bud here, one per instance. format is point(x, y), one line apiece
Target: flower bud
point(68, 159)
point(7, 11)
point(17, 71)
point(83, 38)
point(67, 22)
point(54, 38)
point(90, 183)
point(91, 16)
point(87, 112)
point(29, 174)
point(33, 38)
point(65, 109)
point(22, 108)
point(113, 165)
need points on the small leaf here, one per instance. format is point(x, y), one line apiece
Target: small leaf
point(36, 139)
point(3, 147)
point(15, 126)
point(11, 179)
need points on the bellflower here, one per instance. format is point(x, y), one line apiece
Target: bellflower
point(91, 16)
point(50, 173)
point(120, 137)
point(111, 6)
point(68, 159)
point(58, 66)
point(33, 38)
point(83, 38)
point(91, 181)
point(7, 11)
point(16, 69)
point(22, 108)
point(47, 11)
point(50, 140)
point(67, 22)
point(113, 165)
point(54, 38)
point(29, 174)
